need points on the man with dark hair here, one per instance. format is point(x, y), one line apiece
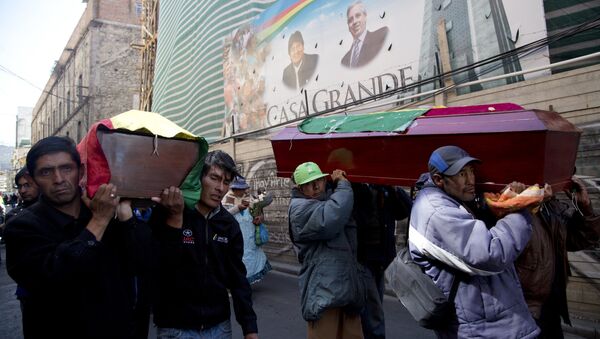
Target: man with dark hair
point(80, 259)
point(460, 253)
point(199, 259)
point(365, 44)
point(302, 67)
point(28, 191)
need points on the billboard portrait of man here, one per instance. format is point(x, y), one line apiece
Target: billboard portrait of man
point(302, 66)
point(366, 44)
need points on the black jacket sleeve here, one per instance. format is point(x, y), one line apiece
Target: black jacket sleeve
point(41, 256)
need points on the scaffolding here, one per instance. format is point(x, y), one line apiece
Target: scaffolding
point(148, 48)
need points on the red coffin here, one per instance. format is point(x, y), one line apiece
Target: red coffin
point(529, 146)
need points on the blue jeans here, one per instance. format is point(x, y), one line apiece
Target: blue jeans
point(219, 331)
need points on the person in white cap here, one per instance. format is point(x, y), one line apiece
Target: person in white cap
point(239, 203)
point(449, 243)
point(331, 285)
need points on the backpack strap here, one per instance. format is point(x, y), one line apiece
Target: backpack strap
point(454, 288)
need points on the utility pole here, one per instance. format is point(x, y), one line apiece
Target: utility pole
point(440, 99)
point(148, 48)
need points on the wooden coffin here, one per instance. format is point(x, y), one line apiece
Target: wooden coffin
point(141, 170)
point(529, 146)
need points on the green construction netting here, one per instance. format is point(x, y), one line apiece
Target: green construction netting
point(394, 121)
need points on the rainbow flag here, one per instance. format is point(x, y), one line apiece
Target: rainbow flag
point(274, 19)
point(97, 169)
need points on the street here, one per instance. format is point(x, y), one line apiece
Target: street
point(10, 314)
point(276, 302)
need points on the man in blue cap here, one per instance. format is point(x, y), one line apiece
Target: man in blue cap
point(449, 243)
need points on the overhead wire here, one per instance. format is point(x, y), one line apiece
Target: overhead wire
point(8, 71)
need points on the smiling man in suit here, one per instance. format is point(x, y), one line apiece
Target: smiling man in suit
point(302, 66)
point(366, 44)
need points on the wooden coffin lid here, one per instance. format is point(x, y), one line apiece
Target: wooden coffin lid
point(141, 170)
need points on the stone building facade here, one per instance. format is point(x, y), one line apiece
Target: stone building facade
point(97, 75)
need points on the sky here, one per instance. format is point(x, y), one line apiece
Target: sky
point(33, 34)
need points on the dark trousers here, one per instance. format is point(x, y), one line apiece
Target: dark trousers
point(372, 317)
point(550, 322)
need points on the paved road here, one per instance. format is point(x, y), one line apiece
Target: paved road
point(276, 302)
point(10, 314)
point(275, 299)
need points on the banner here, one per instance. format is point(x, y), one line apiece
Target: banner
point(301, 57)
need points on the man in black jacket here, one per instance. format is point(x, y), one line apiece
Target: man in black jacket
point(28, 191)
point(82, 268)
point(199, 259)
point(376, 209)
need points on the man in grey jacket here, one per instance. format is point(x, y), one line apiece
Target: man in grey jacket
point(446, 239)
point(332, 292)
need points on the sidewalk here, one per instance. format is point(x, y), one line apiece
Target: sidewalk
point(10, 312)
point(581, 328)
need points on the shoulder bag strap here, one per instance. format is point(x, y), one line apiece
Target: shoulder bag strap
point(457, 274)
point(454, 288)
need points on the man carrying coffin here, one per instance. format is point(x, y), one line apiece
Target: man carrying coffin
point(81, 260)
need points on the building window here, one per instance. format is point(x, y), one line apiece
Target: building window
point(68, 103)
point(80, 89)
point(78, 131)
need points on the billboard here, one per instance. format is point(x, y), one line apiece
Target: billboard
point(301, 57)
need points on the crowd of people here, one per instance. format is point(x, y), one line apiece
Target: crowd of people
point(94, 267)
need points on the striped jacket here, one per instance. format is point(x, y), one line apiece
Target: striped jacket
point(489, 301)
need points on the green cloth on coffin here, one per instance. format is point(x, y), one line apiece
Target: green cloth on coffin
point(394, 121)
point(191, 187)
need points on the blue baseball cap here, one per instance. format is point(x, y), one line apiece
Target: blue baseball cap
point(449, 160)
point(239, 183)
